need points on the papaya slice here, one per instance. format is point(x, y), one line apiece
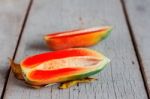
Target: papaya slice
point(62, 66)
point(77, 38)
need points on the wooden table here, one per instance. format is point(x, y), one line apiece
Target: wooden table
point(24, 22)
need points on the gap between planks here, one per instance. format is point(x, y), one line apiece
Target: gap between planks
point(139, 59)
point(17, 45)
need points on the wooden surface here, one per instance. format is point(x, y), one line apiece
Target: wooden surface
point(139, 13)
point(12, 14)
point(122, 79)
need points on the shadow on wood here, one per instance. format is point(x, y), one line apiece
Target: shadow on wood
point(38, 45)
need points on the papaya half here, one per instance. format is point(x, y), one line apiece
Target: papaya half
point(77, 38)
point(61, 66)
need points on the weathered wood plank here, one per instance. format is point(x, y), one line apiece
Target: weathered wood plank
point(12, 13)
point(120, 80)
point(139, 13)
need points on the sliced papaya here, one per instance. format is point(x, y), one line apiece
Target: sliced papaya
point(76, 38)
point(61, 66)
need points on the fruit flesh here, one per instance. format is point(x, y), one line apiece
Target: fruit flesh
point(60, 68)
point(64, 74)
point(68, 62)
point(77, 38)
point(76, 63)
point(78, 32)
point(40, 58)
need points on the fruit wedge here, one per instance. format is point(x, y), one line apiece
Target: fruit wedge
point(61, 66)
point(77, 38)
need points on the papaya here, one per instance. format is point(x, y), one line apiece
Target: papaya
point(61, 66)
point(77, 38)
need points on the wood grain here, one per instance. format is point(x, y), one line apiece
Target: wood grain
point(120, 80)
point(139, 13)
point(12, 14)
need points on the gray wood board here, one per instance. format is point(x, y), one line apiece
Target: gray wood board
point(12, 14)
point(120, 80)
point(139, 14)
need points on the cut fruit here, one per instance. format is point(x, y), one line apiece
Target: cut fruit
point(61, 66)
point(77, 38)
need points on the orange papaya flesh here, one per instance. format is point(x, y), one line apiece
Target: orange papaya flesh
point(72, 52)
point(61, 66)
point(77, 38)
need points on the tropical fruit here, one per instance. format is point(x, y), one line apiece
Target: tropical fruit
point(77, 38)
point(60, 66)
